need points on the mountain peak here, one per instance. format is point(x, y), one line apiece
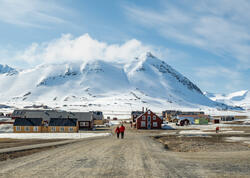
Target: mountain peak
point(5, 69)
point(149, 54)
point(153, 67)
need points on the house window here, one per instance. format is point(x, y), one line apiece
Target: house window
point(71, 129)
point(143, 124)
point(35, 129)
point(61, 129)
point(149, 112)
point(149, 118)
point(154, 117)
point(155, 124)
point(53, 129)
point(84, 124)
point(27, 128)
point(143, 118)
point(18, 128)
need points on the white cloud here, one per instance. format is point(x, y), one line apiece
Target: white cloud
point(83, 48)
point(218, 26)
point(32, 13)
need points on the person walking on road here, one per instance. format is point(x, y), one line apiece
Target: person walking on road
point(122, 130)
point(117, 131)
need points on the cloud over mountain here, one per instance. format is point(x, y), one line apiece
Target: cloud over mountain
point(82, 48)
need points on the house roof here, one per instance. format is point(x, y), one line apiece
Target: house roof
point(195, 116)
point(18, 113)
point(62, 122)
point(47, 114)
point(97, 115)
point(145, 113)
point(28, 122)
point(136, 112)
point(82, 116)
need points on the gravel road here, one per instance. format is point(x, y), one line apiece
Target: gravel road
point(136, 156)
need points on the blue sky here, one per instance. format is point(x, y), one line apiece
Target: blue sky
point(208, 40)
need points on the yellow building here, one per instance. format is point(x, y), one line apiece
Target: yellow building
point(98, 122)
point(27, 125)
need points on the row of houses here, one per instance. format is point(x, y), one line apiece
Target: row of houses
point(149, 120)
point(193, 117)
point(55, 121)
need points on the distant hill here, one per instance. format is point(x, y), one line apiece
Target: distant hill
point(239, 98)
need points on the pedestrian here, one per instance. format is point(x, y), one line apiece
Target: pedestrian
point(217, 129)
point(122, 130)
point(117, 131)
point(131, 124)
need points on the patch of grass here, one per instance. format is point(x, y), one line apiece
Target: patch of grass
point(182, 143)
point(13, 155)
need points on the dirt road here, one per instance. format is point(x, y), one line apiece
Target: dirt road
point(136, 156)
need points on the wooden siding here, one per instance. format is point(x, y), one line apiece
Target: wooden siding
point(44, 129)
point(66, 129)
point(98, 122)
point(31, 129)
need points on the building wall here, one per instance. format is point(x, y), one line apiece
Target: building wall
point(31, 129)
point(89, 126)
point(58, 129)
point(98, 122)
point(201, 121)
point(146, 114)
point(43, 129)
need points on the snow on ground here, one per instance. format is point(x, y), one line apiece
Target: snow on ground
point(3, 119)
point(203, 132)
point(204, 129)
point(6, 128)
point(51, 135)
point(115, 122)
point(183, 132)
point(238, 139)
point(207, 127)
point(245, 121)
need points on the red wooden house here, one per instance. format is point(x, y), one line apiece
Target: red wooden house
point(148, 120)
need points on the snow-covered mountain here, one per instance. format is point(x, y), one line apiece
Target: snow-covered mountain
point(239, 98)
point(7, 70)
point(98, 84)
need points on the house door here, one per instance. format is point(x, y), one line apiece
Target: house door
point(149, 122)
point(149, 125)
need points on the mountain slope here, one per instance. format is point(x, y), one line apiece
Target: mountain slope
point(144, 81)
point(7, 70)
point(240, 98)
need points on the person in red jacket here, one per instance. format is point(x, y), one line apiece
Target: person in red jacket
point(122, 130)
point(117, 131)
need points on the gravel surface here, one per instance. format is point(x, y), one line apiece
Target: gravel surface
point(138, 155)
